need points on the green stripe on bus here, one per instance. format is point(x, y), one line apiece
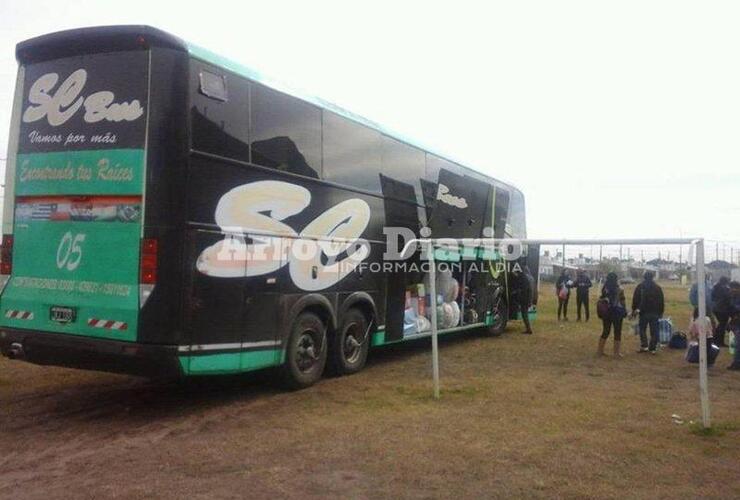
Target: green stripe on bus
point(230, 362)
point(378, 338)
point(469, 252)
point(98, 172)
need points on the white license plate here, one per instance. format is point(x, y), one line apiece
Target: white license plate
point(62, 315)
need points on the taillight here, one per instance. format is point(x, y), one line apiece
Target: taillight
point(6, 255)
point(148, 267)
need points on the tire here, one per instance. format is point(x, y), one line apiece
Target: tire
point(305, 356)
point(500, 312)
point(350, 345)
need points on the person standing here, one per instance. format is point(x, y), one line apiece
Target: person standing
point(694, 294)
point(614, 295)
point(562, 289)
point(734, 324)
point(582, 285)
point(648, 301)
point(695, 328)
point(722, 308)
point(522, 294)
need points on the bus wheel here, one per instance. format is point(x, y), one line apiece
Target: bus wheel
point(305, 356)
point(350, 344)
point(500, 316)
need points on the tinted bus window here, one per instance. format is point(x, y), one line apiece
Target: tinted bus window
point(434, 164)
point(351, 153)
point(404, 163)
point(500, 212)
point(286, 133)
point(220, 120)
point(517, 227)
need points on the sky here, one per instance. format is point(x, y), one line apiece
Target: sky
point(616, 119)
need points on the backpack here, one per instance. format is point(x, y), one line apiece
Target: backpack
point(607, 308)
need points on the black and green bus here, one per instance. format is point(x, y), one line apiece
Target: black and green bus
point(161, 203)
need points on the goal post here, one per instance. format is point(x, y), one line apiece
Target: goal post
point(429, 244)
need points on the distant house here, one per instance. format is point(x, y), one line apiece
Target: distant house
point(665, 269)
point(719, 268)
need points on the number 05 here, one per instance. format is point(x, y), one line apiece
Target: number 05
point(69, 252)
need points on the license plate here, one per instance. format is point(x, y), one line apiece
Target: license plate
point(62, 315)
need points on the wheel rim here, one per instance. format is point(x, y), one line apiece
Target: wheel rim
point(307, 351)
point(352, 342)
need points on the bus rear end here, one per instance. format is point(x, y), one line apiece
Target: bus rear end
point(77, 265)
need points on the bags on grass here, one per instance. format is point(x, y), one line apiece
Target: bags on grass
point(678, 341)
point(692, 353)
point(665, 330)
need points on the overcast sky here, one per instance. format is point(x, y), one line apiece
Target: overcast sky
point(616, 119)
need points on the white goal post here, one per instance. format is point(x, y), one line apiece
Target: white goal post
point(430, 244)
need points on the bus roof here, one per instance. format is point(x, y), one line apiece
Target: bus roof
point(123, 37)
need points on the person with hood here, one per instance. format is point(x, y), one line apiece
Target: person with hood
point(648, 301)
point(521, 291)
point(582, 285)
point(614, 294)
point(722, 308)
point(562, 289)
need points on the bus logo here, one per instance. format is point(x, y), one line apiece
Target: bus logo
point(443, 195)
point(325, 252)
point(62, 104)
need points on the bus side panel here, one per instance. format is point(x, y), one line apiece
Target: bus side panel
point(248, 301)
point(161, 316)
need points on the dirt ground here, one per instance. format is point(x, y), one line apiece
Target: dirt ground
point(520, 416)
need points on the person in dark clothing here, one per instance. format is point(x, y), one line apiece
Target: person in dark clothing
point(613, 293)
point(734, 324)
point(694, 294)
point(648, 301)
point(582, 285)
point(521, 294)
point(562, 289)
point(722, 308)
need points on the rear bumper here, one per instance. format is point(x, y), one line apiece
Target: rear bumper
point(43, 348)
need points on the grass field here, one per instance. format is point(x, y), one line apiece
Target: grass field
point(520, 416)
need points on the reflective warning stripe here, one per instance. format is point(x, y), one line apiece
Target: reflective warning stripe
point(14, 314)
point(107, 324)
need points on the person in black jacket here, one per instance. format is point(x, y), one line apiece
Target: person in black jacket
point(734, 324)
point(582, 284)
point(521, 294)
point(613, 293)
point(649, 303)
point(562, 287)
point(722, 308)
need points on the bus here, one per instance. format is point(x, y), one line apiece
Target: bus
point(162, 203)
